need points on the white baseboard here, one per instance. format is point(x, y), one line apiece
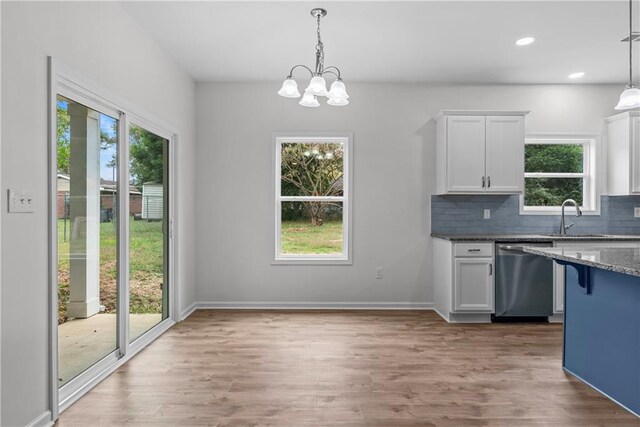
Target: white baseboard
point(556, 318)
point(464, 318)
point(253, 305)
point(42, 420)
point(187, 311)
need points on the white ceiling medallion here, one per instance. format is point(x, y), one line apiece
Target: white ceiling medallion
point(630, 97)
point(337, 95)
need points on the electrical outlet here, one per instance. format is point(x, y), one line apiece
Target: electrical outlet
point(20, 201)
point(487, 214)
point(636, 212)
point(379, 273)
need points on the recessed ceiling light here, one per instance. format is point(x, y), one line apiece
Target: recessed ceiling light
point(525, 41)
point(577, 75)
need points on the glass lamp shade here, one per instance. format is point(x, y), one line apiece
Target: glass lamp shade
point(338, 102)
point(308, 100)
point(629, 99)
point(289, 89)
point(338, 90)
point(317, 86)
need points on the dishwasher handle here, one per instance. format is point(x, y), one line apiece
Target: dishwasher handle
point(512, 248)
point(518, 247)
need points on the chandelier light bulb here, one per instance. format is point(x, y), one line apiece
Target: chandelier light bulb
point(338, 102)
point(338, 90)
point(308, 100)
point(629, 99)
point(317, 86)
point(289, 89)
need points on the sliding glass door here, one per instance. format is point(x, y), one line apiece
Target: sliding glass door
point(148, 230)
point(110, 237)
point(87, 225)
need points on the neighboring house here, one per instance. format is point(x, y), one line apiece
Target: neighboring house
point(108, 191)
point(152, 201)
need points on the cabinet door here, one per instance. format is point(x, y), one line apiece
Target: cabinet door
point(473, 287)
point(505, 154)
point(635, 152)
point(465, 153)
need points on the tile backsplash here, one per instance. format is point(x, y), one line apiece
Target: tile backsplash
point(464, 215)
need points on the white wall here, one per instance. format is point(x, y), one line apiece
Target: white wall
point(103, 43)
point(394, 176)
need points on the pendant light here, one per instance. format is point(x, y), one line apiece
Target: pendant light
point(337, 94)
point(630, 97)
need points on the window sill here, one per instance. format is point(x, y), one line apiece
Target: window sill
point(568, 212)
point(312, 261)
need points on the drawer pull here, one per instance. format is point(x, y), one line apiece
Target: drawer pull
point(474, 250)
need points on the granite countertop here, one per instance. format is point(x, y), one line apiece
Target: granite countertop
point(534, 237)
point(620, 260)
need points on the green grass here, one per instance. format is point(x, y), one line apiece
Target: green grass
point(303, 238)
point(146, 273)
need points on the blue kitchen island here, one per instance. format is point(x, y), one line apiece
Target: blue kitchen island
point(602, 319)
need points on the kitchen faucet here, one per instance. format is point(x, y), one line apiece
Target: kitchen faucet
point(564, 228)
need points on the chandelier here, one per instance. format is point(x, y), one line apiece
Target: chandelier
point(337, 94)
point(630, 97)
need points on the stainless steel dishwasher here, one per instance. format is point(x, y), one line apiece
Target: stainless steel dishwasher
point(524, 283)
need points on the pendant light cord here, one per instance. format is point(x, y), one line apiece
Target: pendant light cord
point(630, 43)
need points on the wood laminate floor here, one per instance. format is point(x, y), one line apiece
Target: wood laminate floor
point(345, 368)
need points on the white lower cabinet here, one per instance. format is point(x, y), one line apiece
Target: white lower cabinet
point(473, 288)
point(464, 281)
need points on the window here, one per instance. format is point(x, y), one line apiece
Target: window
point(556, 169)
point(312, 199)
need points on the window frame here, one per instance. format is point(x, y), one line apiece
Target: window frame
point(278, 139)
point(590, 175)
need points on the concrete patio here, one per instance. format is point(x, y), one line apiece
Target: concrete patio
point(83, 342)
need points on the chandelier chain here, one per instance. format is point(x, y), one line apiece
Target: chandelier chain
point(319, 50)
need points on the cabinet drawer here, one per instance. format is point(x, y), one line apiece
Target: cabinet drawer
point(473, 249)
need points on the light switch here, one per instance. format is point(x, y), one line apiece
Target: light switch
point(487, 214)
point(21, 201)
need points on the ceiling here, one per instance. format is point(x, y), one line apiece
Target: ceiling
point(430, 41)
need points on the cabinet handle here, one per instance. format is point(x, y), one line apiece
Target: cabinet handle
point(473, 250)
point(483, 182)
point(490, 269)
point(488, 182)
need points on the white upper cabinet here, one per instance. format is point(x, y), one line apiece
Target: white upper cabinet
point(465, 153)
point(623, 154)
point(505, 153)
point(480, 152)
